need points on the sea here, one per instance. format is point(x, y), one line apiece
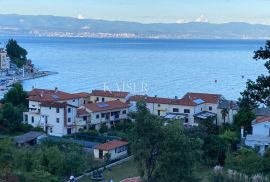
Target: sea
point(166, 68)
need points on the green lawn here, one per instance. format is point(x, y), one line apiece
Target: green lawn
point(117, 173)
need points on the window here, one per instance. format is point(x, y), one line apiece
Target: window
point(102, 115)
point(186, 120)
point(57, 120)
point(158, 105)
point(69, 110)
point(85, 118)
point(26, 117)
point(97, 99)
point(103, 99)
point(57, 110)
point(175, 110)
point(73, 100)
point(50, 108)
point(69, 120)
point(51, 130)
point(186, 111)
point(210, 108)
point(97, 116)
point(124, 112)
point(83, 101)
point(32, 119)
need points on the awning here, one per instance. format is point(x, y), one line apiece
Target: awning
point(205, 115)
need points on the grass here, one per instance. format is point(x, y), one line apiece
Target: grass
point(117, 173)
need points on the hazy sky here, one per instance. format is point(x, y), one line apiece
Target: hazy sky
point(168, 11)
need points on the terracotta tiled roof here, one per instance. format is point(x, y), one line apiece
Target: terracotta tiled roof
point(105, 106)
point(55, 104)
point(53, 95)
point(111, 145)
point(82, 112)
point(208, 98)
point(158, 100)
point(106, 93)
point(262, 120)
point(136, 179)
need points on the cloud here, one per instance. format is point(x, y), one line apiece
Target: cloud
point(81, 17)
point(202, 19)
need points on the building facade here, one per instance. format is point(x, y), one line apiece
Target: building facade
point(56, 111)
point(260, 137)
point(4, 60)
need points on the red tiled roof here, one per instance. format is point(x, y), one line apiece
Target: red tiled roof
point(54, 104)
point(53, 95)
point(208, 98)
point(136, 179)
point(262, 120)
point(106, 93)
point(105, 106)
point(111, 145)
point(158, 100)
point(82, 112)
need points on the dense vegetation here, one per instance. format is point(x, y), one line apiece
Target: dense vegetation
point(17, 54)
point(12, 106)
point(48, 162)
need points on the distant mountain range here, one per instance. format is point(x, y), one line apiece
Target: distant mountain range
point(29, 25)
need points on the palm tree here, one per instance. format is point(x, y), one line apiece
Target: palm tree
point(224, 113)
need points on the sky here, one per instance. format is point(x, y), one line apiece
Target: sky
point(146, 11)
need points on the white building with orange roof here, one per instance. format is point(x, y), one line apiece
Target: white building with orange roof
point(106, 95)
point(260, 137)
point(191, 108)
point(55, 111)
point(116, 148)
point(106, 112)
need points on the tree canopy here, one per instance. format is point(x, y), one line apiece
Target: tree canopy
point(163, 152)
point(258, 92)
point(17, 54)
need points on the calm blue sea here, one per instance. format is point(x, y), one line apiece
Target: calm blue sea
point(165, 68)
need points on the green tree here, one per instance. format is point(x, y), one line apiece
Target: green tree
point(16, 53)
point(16, 95)
point(214, 149)
point(6, 159)
point(11, 117)
point(179, 156)
point(230, 137)
point(258, 92)
point(244, 118)
point(147, 138)
point(245, 161)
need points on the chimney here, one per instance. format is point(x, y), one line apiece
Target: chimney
point(175, 97)
point(242, 132)
point(155, 96)
point(41, 94)
point(55, 89)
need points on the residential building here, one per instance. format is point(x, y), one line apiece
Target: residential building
point(106, 112)
point(191, 108)
point(56, 111)
point(260, 137)
point(117, 149)
point(4, 60)
point(105, 95)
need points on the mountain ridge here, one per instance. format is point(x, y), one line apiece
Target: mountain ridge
point(59, 26)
